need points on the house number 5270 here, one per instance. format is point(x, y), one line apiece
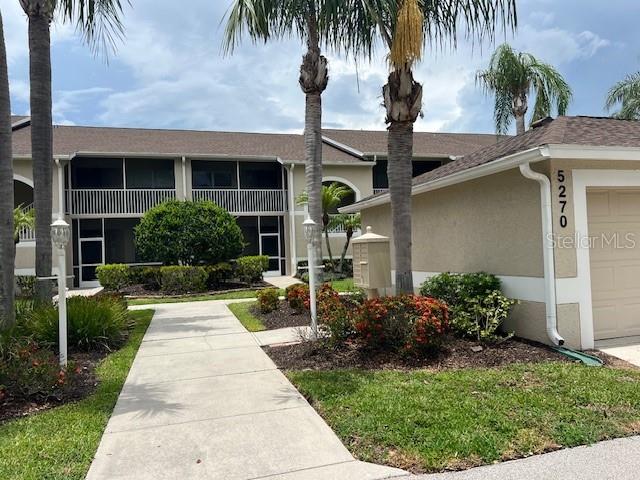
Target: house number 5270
point(562, 194)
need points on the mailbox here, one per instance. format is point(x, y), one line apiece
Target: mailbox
point(371, 262)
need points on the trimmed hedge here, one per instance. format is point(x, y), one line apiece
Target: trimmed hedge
point(267, 299)
point(250, 269)
point(179, 279)
point(114, 277)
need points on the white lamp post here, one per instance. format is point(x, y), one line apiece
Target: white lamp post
point(310, 229)
point(60, 234)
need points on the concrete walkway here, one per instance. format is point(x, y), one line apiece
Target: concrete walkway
point(282, 282)
point(203, 401)
point(627, 348)
point(611, 460)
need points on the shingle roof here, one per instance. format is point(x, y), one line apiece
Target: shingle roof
point(424, 143)
point(591, 131)
point(68, 140)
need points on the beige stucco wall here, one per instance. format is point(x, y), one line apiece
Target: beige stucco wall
point(492, 224)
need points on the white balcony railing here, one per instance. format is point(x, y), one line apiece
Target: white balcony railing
point(27, 234)
point(379, 190)
point(340, 228)
point(115, 201)
point(244, 200)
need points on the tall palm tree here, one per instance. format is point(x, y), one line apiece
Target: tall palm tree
point(332, 196)
point(99, 23)
point(7, 247)
point(350, 223)
point(626, 93)
point(315, 21)
point(404, 26)
point(513, 76)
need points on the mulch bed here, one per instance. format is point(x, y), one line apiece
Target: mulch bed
point(455, 354)
point(284, 316)
point(84, 385)
point(135, 291)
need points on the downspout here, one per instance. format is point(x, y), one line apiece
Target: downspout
point(548, 252)
point(292, 223)
point(184, 178)
point(60, 189)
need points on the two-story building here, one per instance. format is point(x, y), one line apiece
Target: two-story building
point(105, 179)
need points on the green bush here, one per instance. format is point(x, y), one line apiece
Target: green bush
point(477, 307)
point(25, 286)
point(250, 269)
point(267, 300)
point(188, 233)
point(218, 274)
point(334, 318)
point(183, 279)
point(91, 322)
point(147, 276)
point(114, 277)
point(297, 296)
point(29, 371)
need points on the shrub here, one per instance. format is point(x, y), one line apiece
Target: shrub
point(188, 233)
point(297, 296)
point(250, 269)
point(114, 277)
point(91, 322)
point(25, 286)
point(28, 371)
point(182, 279)
point(218, 274)
point(149, 277)
point(477, 306)
point(482, 317)
point(267, 300)
point(333, 315)
point(406, 322)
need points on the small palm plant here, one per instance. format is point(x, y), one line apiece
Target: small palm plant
point(22, 219)
point(513, 76)
point(332, 196)
point(350, 223)
point(625, 93)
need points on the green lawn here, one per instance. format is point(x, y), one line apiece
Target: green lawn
point(247, 319)
point(343, 285)
point(456, 419)
point(60, 443)
point(196, 298)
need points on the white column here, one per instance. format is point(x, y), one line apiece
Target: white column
point(292, 222)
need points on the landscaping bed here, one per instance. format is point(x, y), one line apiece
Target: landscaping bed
point(283, 316)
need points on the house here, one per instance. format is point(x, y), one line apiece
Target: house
point(105, 179)
point(555, 213)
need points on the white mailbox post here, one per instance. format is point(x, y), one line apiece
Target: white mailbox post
point(371, 262)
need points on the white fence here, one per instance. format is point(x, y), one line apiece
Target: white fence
point(27, 234)
point(244, 201)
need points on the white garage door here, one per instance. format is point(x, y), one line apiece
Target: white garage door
point(614, 230)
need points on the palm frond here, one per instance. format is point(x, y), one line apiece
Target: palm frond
point(627, 94)
point(503, 113)
point(98, 21)
point(551, 90)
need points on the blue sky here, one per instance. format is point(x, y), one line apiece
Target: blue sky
point(169, 73)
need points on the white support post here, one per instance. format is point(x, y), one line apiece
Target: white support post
point(312, 290)
point(62, 307)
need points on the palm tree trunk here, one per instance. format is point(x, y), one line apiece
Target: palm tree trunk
point(520, 125)
point(403, 102)
point(7, 247)
point(313, 81)
point(41, 145)
point(327, 241)
point(345, 249)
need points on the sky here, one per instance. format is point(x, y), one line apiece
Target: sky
point(169, 72)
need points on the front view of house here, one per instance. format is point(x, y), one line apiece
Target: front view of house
point(555, 213)
point(105, 179)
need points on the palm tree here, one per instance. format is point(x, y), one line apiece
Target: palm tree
point(7, 247)
point(627, 94)
point(350, 223)
point(315, 22)
point(404, 25)
point(512, 76)
point(332, 196)
point(99, 22)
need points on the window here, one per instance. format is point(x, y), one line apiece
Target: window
point(424, 166)
point(150, 173)
point(94, 173)
point(119, 242)
point(249, 227)
point(380, 179)
point(261, 175)
point(213, 174)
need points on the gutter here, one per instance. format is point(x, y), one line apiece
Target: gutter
point(548, 252)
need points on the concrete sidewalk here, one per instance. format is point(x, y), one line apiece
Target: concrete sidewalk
point(203, 401)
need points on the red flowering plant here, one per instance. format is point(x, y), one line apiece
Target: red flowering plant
point(333, 315)
point(298, 296)
point(405, 322)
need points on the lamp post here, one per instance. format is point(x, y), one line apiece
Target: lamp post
point(310, 229)
point(60, 234)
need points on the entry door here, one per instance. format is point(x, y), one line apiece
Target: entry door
point(270, 246)
point(614, 234)
point(91, 256)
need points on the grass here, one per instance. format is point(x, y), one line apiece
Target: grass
point(457, 419)
point(343, 285)
point(60, 443)
point(243, 312)
point(197, 298)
